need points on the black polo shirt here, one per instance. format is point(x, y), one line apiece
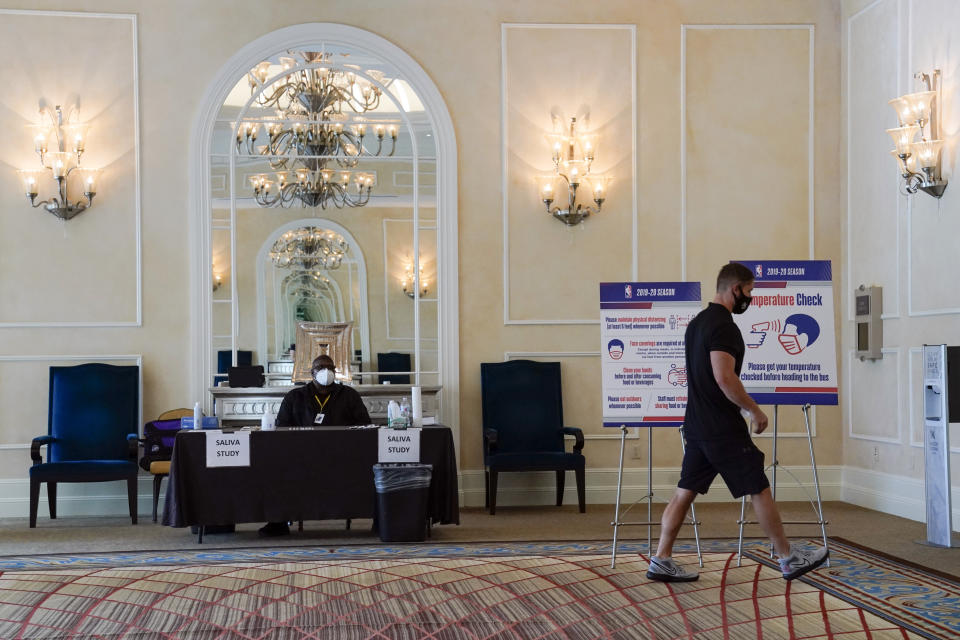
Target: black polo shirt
point(300, 407)
point(710, 415)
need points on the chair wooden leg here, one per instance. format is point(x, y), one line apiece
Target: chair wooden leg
point(561, 476)
point(157, 481)
point(34, 500)
point(581, 490)
point(132, 497)
point(52, 499)
point(493, 492)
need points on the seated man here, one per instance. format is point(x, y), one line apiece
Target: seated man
point(320, 402)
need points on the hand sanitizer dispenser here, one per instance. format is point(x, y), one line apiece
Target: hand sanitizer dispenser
point(941, 397)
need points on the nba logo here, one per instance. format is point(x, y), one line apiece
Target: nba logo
point(628, 291)
point(759, 270)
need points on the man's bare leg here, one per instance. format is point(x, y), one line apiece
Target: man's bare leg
point(672, 520)
point(769, 518)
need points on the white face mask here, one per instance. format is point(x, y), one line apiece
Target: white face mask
point(324, 377)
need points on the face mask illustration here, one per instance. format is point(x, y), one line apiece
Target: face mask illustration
point(615, 349)
point(800, 332)
point(791, 342)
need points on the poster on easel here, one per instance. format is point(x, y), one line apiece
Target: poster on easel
point(642, 351)
point(789, 332)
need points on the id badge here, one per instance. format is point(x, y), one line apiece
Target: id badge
point(318, 419)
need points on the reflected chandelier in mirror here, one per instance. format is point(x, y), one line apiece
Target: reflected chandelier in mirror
point(315, 136)
point(309, 248)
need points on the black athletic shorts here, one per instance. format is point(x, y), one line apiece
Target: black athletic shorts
point(738, 461)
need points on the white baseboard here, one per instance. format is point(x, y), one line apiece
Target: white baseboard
point(539, 488)
point(78, 498)
point(896, 495)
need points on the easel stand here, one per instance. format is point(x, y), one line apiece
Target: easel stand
point(616, 524)
point(817, 506)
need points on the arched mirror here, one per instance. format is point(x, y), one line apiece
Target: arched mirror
point(323, 203)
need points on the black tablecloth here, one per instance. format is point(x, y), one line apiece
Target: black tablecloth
point(298, 474)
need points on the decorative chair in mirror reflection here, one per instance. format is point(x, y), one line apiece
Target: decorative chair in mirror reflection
point(92, 425)
point(392, 361)
point(523, 425)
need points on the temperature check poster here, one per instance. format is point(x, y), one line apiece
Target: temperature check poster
point(789, 333)
point(642, 351)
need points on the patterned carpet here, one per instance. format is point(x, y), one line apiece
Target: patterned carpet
point(450, 592)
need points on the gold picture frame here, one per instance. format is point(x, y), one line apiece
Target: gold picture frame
point(322, 338)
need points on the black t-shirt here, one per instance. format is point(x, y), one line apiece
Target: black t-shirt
point(342, 408)
point(710, 415)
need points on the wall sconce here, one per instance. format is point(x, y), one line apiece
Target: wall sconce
point(217, 280)
point(70, 142)
point(408, 285)
point(573, 154)
point(915, 111)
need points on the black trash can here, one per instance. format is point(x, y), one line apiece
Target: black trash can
point(403, 491)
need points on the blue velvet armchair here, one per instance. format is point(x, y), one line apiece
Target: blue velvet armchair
point(92, 426)
point(523, 425)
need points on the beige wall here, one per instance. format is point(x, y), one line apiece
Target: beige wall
point(906, 244)
point(744, 118)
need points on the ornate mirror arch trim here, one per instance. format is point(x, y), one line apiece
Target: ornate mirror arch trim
point(201, 227)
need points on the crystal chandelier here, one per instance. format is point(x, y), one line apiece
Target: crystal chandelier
point(315, 139)
point(309, 248)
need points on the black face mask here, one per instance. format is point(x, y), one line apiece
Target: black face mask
point(741, 302)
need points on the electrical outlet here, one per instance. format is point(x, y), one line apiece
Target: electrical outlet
point(876, 455)
point(637, 452)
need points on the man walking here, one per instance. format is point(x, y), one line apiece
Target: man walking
point(717, 438)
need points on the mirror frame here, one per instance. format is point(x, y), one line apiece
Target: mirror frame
point(200, 205)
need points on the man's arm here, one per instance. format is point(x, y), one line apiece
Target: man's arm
point(726, 376)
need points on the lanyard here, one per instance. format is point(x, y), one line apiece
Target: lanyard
point(324, 403)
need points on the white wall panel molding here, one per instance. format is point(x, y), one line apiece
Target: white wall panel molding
point(136, 358)
point(138, 321)
point(425, 225)
point(851, 392)
point(911, 311)
point(811, 219)
point(907, 76)
point(890, 178)
point(505, 156)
